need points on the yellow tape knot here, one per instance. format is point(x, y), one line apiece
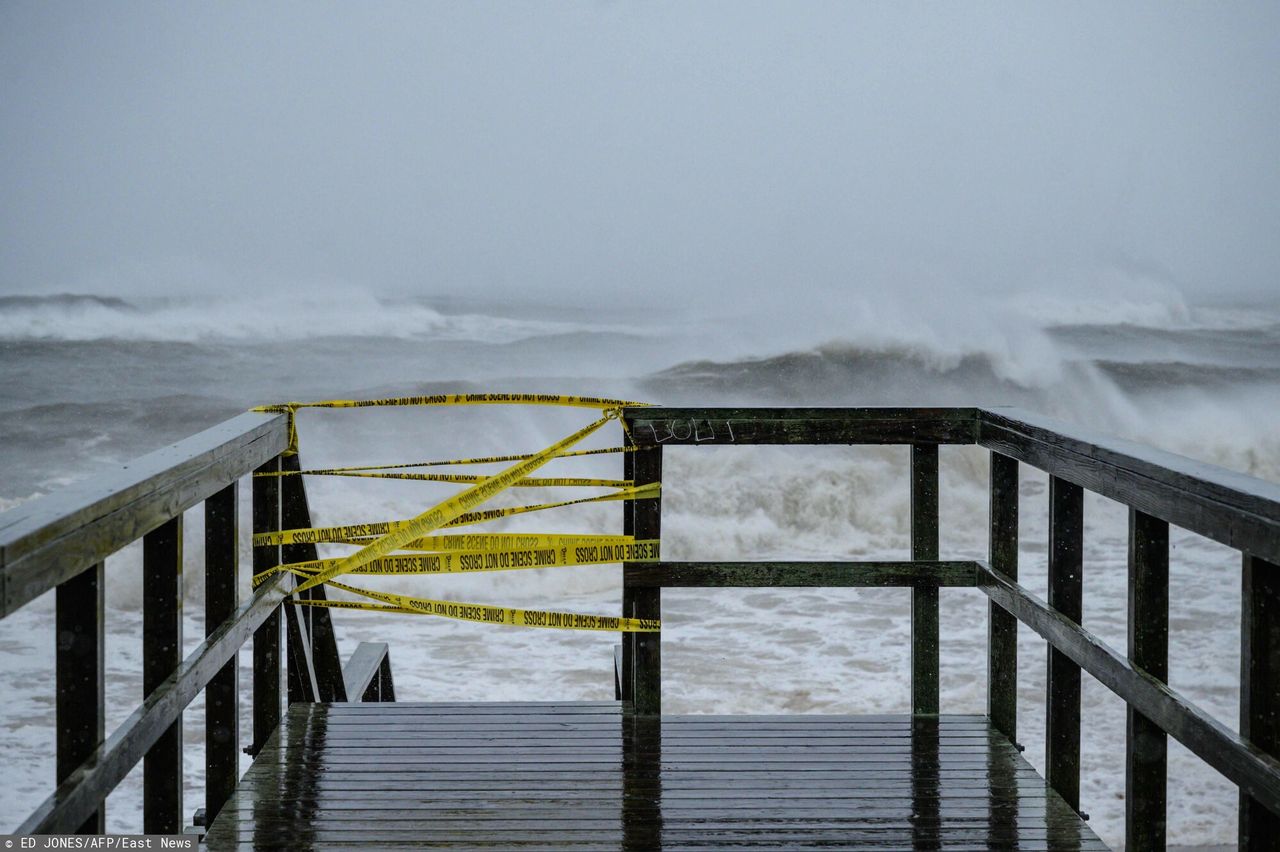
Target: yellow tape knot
point(291, 409)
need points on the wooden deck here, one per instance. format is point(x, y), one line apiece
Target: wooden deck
point(582, 776)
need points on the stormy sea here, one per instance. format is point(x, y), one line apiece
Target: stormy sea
point(90, 382)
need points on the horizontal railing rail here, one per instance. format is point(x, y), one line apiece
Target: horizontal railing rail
point(51, 539)
point(367, 674)
point(1232, 508)
point(1239, 761)
point(1213, 742)
point(746, 426)
point(907, 573)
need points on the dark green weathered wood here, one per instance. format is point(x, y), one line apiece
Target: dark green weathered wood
point(295, 513)
point(626, 687)
point(1259, 827)
point(1147, 746)
point(1254, 770)
point(926, 764)
point(1237, 510)
point(612, 779)
point(925, 655)
point(80, 677)
point(645, 602)
point(1002, 627)
point(746, 426)
point(617, 672)
point(222, 696)
point(51, 539)
point(266, 641)
point(76, 798)
point(161, 656)
point(641, 808)
point(1066, 587)
point(802, 574)
point(301, 676)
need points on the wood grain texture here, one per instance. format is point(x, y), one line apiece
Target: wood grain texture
point(925, 649)
point(341, 775)
point(1259, 825)
point(48, 540)
point(222, 696)
point(1146, 746)
point(1066, 596)
point(80, 677)
point(82, 792)
point(266, 640)
point(1002, 627)
point(645, 602)
point(1245, 764)
point(1237, 510)
point(931, 573)
point(747, 426)
point(161, 655)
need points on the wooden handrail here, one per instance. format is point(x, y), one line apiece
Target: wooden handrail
point(1160, 488)
point(49, 540)
point(367, 674)
point(1232, 508)
point(80, 794)
point(1236, 758)
point(60, 542)
point(830, 575)
point(664, 426)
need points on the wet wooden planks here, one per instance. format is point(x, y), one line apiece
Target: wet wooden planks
point(587, 776)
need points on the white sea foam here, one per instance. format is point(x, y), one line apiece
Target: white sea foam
point(278, 316)
point(837, 651)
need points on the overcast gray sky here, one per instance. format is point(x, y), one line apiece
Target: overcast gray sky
point(643, 148)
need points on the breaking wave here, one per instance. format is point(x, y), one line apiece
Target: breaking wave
point(264, 316)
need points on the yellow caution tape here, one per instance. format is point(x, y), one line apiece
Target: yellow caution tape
point(473, 561)
point(364, 533)
point(464, 553)
point(291, 408)
point(513, 541)
point(440, 514)
point(487, 614)
point(462, 399)
point(530, 482)
point(631, 448)
point(648, 491)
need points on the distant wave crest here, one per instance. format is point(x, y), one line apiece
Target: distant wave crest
point(261, 317)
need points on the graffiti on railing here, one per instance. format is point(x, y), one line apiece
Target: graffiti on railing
point(699, 431)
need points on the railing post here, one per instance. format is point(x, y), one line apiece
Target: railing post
point(924, 599)
point(80, 679)
point(645, 603)
point(295, 513)
point(1147, 746)
point(1260, 689)
point(302, 685)
point(626, 690)
point(266, 639)
point(161, 654)
point(1066, 584)
point(221, 696)
point(1002, 626)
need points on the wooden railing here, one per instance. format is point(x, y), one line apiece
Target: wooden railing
point(61, 542)
point(1159, 488)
